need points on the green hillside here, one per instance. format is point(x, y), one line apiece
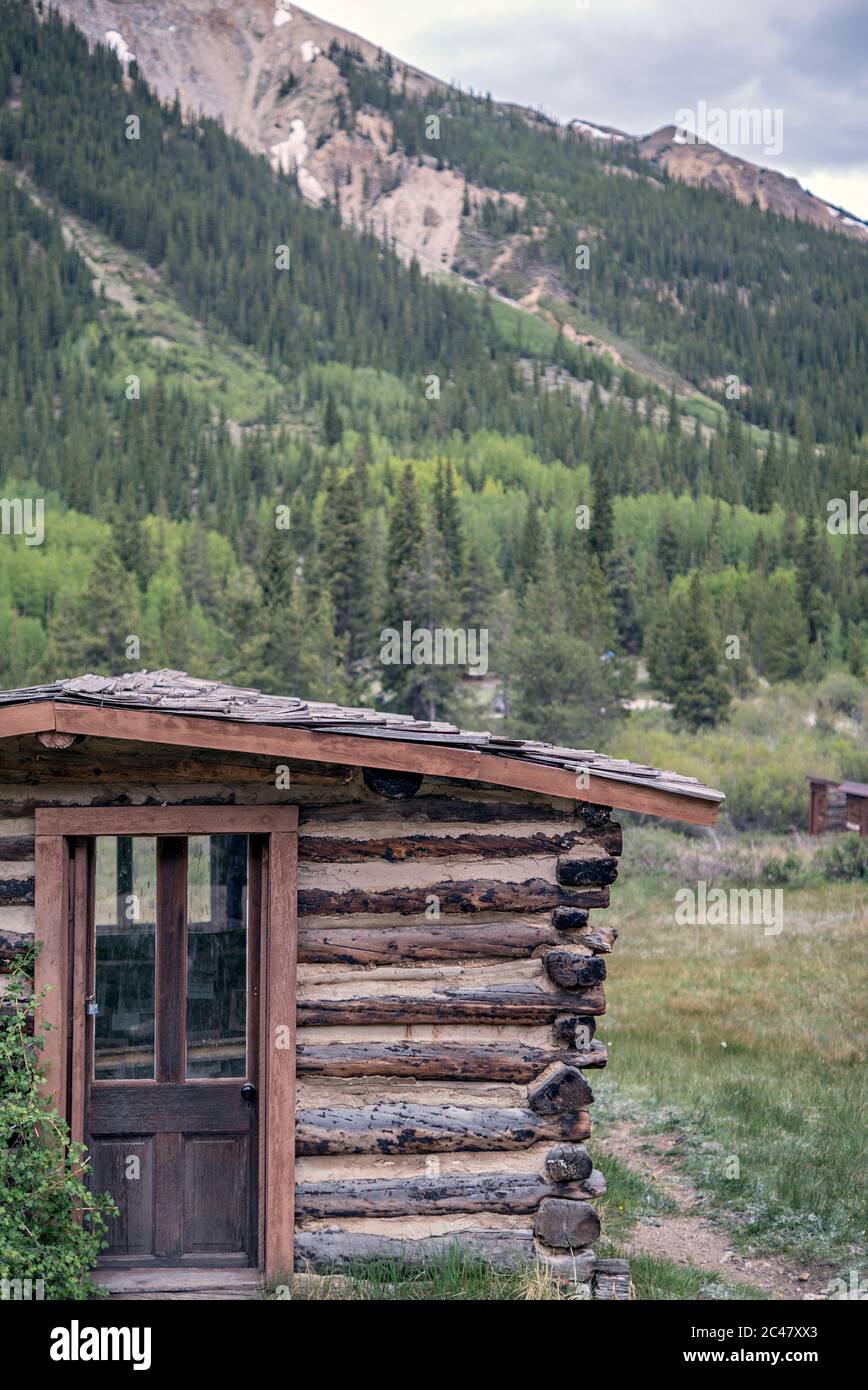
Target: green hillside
point(251, 471)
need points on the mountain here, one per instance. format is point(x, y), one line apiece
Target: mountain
point(703, 165)
point(265, 69)
point(262, 436)
point(684, 283)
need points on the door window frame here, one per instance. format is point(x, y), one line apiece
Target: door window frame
point(62, 912)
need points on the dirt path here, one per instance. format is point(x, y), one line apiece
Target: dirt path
point(687, 1237)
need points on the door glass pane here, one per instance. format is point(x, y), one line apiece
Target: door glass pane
point(217, 955)
point(124, 993)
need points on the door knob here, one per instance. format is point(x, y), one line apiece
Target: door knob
point(248, 1093)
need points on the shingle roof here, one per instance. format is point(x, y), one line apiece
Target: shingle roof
point(174, 692)
point(855, 788)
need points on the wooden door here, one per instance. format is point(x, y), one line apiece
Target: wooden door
point(172, 1059)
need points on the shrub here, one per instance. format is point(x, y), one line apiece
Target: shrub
point(51, 1227)
point(782, 871)
point(841, 693)
point(846, 858)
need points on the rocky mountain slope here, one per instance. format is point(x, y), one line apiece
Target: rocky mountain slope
point(590, 230)
point(264, 67)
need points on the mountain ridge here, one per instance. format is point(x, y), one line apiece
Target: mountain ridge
point(237, 63)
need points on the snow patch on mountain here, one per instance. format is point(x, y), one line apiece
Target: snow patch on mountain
point(844, 218)
point(309, 50)
point(310, 186)
point(281, 16)
point(118, 44)
point(595, 132)
point(293, 153)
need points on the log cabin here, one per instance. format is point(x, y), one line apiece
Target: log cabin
point(322, 982)
point(837, 806)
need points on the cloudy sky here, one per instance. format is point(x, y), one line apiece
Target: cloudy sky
point(635, 63)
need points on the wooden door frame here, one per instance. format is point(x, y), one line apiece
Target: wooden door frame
point(60, 970)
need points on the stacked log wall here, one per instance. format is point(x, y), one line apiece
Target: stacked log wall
point(451, 967)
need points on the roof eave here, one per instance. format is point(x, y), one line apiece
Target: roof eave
point(353, 750)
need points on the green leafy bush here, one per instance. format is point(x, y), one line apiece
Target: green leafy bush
point(846, 858)
point(787, 870)
point(841, 693)
point(51, 1227)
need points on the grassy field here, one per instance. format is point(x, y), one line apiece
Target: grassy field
point(747, 1046)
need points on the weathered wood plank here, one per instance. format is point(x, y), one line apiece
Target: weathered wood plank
point(574, 1031)
point(495, 1004)
point(612, 1280)
point(13, 945)
point(566, 1225)
point(470, 805)
point(17, 892)
point(337, 1092)
point(600, 940)
point(524, 840)
point(440, 1060)
point(509, 1193)
point(453, 895)
point(408, 1128)
point(561, 1090)
point(431, 941)
point(342, 1250)
point(569, 918)
point(278, 1063)
point(100, 762)
point(568, 1164)
point(580, 870)
point(15, 848)
point(571, 970)
point(173, 819)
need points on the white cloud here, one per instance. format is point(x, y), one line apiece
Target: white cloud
point(845, 188)
point(633, 63)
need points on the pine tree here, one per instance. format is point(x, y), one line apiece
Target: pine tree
point(248, 637)
point(317, 650)
point(89, 634)
point(274, 571)
point(767, 485)
point(405, 527)
point(668, 546)
point(623, 588)
point(559, 689)
point(448, 517)
point(423, 688)
point(602, 517)
point(346, 562)
point(780, 633)
point(857, 658)
point(530, 545)
point(810, 568)
point(700, 694)
point(333, 425)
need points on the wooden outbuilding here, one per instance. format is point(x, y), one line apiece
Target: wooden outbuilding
point(324, 981)
point(856, 801)
point(837, 806)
